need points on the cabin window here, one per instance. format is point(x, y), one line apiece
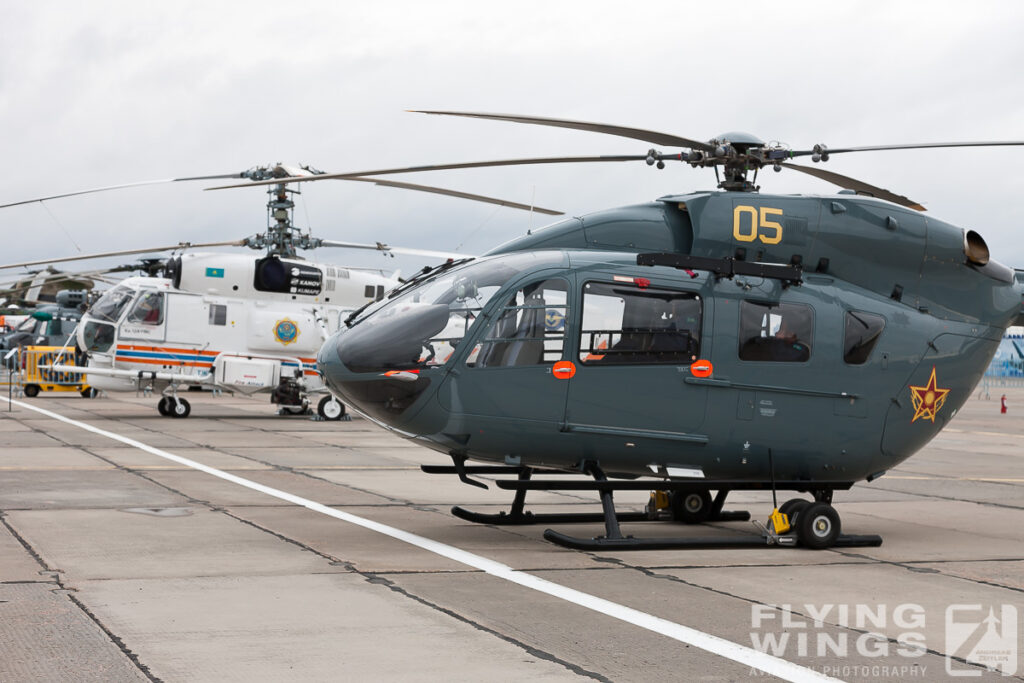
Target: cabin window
point(148, 310)
point(218, 314)
point(530, 329)
point(862, 333)
point(623, 323)
point(781, 333)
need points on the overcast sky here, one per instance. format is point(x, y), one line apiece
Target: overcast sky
point(110, 92)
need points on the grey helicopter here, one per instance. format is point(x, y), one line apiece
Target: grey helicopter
point(683, 346)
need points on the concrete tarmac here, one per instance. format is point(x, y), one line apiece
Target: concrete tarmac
point(117, 564)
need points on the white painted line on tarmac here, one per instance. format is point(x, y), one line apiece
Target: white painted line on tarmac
point(719, 646)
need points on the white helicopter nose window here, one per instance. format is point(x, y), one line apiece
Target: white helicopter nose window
point(111, 304)
point(148, 310)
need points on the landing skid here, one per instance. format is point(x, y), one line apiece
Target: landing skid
point(696, 542)
point(614, 539)
point(526, 518)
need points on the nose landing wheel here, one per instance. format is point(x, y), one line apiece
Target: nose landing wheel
point(172, 406)
point(330, 408)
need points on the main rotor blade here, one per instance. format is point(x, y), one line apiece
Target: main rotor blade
point(857, 185)
point(55, 276)
point(379, 246)
point(120, 187)
point(462, 195)
point(922, 145)
point(435, 167)
point(25, 285)
point(84, 257)
point(622, 131)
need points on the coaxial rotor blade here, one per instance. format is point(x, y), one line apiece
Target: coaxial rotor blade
point(436, 167)
point(857, 185)
point(84, 257)
point(922, 145)
point(462, 195)
point(57, 276)
point(120, 187)
point(393, 250)
point(23, 285)
point(622, 131)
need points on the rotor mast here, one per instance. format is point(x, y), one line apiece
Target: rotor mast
point(282, 238)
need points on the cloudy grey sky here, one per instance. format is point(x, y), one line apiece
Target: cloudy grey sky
point(110, 92)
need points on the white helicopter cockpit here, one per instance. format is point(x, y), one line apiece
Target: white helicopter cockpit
point(137, 307)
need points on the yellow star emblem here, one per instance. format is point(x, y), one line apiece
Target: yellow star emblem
point(928, 399)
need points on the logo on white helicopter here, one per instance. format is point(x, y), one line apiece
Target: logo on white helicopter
point(286, 331)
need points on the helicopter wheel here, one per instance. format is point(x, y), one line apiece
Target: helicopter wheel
point(690, 507)
point(178, 407)
point(31, 390)
point(818, 526)
point(300, 409)
point(793, 507)
point(330, 408)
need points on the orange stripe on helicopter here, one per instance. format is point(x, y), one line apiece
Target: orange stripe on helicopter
point(171, 362)
point(164, 361)
point(165, 349)
point(194, 352)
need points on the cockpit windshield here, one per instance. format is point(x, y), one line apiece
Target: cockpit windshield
point(422, 326)
point(111, 304)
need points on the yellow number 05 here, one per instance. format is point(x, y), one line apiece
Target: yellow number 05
point(756, 228)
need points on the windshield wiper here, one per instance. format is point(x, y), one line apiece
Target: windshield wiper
point(353, 314)
point(425, 273)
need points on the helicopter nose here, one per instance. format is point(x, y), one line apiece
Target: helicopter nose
point(385, 395)
point(333, 371)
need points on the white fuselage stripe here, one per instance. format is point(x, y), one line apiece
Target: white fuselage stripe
point(738, 653)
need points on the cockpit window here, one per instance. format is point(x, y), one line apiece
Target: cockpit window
point(111, 304)
point(530, 329)
point(485, 274)
point(148, 310)
point(422, 326)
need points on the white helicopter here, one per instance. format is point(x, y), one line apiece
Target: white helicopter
point(230, 321)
